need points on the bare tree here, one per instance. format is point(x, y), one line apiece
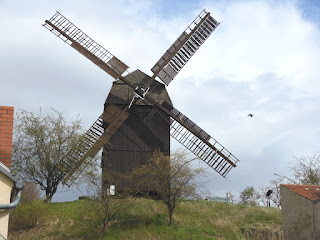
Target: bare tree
point(40, 142)
point(172, 178)
point(232, 198)
point(105, 201)
point(305, 170)
point(249, 196)
point(30, 192)
point(274, 198)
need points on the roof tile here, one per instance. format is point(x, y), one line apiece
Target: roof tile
point(311, 192)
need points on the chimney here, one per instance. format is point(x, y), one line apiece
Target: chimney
point(6, 130)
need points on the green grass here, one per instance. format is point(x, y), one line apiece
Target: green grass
point(148, 219)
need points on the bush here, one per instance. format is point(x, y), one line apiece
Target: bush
point(30, 192)
point(28, 215)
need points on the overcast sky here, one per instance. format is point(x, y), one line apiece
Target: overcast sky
point(262, 59)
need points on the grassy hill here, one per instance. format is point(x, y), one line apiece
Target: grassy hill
point(148, 219)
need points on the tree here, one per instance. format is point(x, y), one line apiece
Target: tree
point(30, 192)
point(172, 178)
point(105, 202)
point(232, 198)
point(249, 196)
point(274, 199)
point(305, 170)
point(40, 142)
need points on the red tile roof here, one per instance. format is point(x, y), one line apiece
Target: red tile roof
point(311, 192)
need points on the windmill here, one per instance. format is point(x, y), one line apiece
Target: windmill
point(142, 90)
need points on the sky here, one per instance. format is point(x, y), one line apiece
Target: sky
point(262, 59)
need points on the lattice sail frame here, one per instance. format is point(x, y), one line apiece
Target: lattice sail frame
point(76, 160)
point(174, 59)
point(72, 35)
point(201, 143)
point(197, 140)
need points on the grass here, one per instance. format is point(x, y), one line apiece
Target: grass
point(148, 219)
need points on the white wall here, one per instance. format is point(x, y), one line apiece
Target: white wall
point(6, 185)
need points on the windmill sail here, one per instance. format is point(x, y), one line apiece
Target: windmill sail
point(184, 47)
point(91, 142)
point(201, 143)
point(197, 140)
point(68, 32)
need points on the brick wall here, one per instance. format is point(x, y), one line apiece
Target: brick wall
point(6, 130)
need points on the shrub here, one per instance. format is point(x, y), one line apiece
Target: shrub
point(30, 192)
point(28, 215)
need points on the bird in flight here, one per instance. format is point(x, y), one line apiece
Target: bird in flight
point(250, 115)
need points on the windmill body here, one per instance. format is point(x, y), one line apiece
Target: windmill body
point(146, 130)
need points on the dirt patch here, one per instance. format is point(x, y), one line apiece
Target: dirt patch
point(55, 222)
point(26, 234)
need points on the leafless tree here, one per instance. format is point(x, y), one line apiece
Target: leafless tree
point(232, 198)
point(304, 170)
point(172, 178)
point(40, 142)
point(274, 199)
point(30, 192)
point(104, 200)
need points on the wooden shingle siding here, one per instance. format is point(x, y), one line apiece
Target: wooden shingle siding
point(146, 130)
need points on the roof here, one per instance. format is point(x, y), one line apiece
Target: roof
point(311, 192)
point(5, 167)
point(6, 171)
point(121, 93)
point(217, 199)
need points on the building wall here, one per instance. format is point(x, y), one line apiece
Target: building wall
point(6, 186)
point(298, 216)
point(6, 129)
point(316, 217)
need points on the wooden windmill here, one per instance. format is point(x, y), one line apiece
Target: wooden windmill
point(138, 101)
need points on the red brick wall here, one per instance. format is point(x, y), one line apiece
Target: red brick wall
point(6, 129)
